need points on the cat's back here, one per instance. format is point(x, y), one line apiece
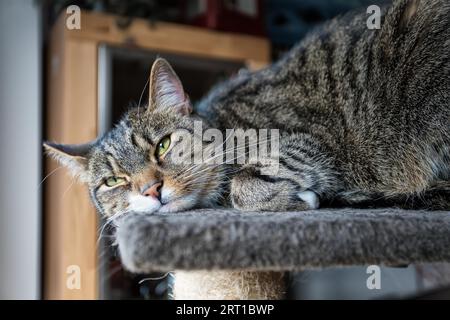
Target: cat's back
point(347, 79)
point(377, 98)
point(347, 72)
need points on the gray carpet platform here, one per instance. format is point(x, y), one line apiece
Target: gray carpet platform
point(228, 239)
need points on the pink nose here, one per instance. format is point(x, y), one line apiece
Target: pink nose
point(153, 191)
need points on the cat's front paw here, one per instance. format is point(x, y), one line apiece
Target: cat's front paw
point(310, 198)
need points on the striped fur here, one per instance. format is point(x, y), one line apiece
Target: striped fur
point(365, 114)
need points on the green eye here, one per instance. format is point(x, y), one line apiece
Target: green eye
point(163, 145)
point(114, 181)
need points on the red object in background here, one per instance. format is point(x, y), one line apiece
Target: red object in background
point(240, 16)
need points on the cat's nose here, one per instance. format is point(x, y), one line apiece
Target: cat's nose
point(153, 190)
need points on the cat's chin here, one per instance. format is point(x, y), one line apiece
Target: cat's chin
point(149, 205)
point(141, 204)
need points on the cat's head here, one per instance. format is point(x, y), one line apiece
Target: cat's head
point(135, 167)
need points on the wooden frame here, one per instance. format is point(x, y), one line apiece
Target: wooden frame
point(71, 224)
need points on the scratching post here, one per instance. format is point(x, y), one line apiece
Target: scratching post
point(229, 243)
point(228, 285)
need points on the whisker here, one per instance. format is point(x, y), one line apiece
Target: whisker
point(222, 154)
point(235, 149)
point(142, 94)
point(207, 167)
point(48, 175)
point(112, 272)
point(154, 278)
point(68, 188)
point(106, 224)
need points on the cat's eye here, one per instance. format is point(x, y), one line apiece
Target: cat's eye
point(163, 145)
point(114, 181)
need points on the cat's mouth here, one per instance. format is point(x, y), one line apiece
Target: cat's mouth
point(168, 202)
point(171, 201)
point(176, 205)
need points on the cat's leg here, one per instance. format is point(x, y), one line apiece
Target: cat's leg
point(435, 197)
point(252, 191)
point(305, 174)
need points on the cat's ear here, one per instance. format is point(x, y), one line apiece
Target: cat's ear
point(72, 156)
point(166, 90)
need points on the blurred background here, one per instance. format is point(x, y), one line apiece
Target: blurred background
point(68, 70)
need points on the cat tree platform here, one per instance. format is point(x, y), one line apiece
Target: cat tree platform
point(232, 240)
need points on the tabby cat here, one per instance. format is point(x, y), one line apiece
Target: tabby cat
point(364, 119)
